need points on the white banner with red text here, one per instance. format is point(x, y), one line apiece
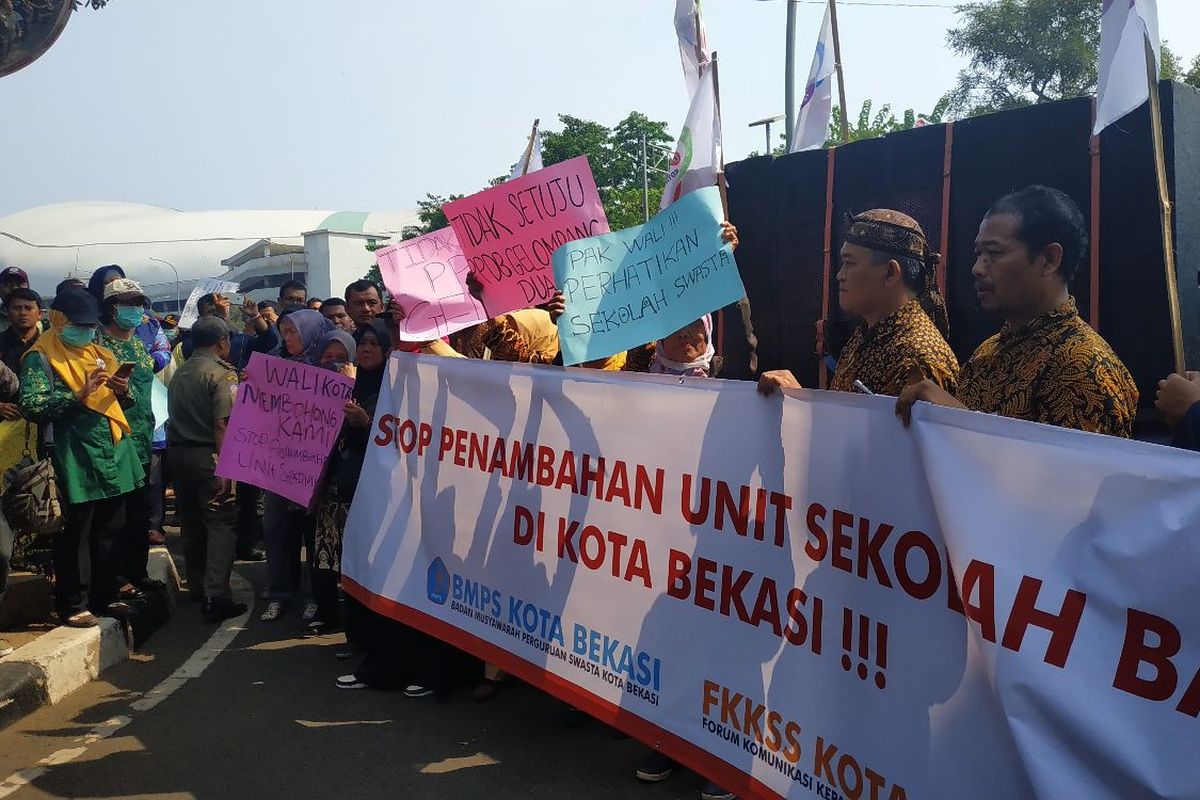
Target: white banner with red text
point(796, 596)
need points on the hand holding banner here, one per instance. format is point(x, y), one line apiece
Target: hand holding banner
point(286, 419)
point(509, 232)
point(643, 283)
point(427, 277)
point(191, 311)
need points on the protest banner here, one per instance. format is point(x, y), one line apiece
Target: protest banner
point(638, 285)
point(204, 286)
point(510, 232)
point(427, 276)
point(158, 403)
point(797, 596)
point(286, 419)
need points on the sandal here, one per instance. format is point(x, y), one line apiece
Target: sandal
point(274, 611)
point(350, 682)
point(131, 592)
point(83, 619)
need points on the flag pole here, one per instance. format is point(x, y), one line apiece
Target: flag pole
point(720, 167)
point(837, 65)
point(789, 81)
point(529, 148)
point(1165, 205)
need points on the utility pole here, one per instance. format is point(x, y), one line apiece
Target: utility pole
point(645, 182)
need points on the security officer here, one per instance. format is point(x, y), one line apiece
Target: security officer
point(200, 400)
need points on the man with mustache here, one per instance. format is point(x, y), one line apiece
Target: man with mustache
point(1046, 364)
point(886, 279)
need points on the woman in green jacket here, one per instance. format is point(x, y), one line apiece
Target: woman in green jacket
point(70, 382)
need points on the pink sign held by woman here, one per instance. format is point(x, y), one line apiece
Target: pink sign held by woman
point(427, 277)
point(285, 421)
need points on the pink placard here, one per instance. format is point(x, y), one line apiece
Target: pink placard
point(286, 419)
point(509, 232)
point(427, 276)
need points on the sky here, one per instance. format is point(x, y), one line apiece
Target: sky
point(368, 105)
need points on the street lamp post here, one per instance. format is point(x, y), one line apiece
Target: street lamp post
point(172, 266)
point(767, 122)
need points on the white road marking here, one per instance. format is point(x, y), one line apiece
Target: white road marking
point(193, 668)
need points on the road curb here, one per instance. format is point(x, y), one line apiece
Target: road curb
point(58, 663)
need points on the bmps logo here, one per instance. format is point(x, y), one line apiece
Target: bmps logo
point(437, 584)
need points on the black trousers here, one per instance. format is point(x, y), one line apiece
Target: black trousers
point(249, 520)
point(157, 497)
point(87, 555)
point(135, 540)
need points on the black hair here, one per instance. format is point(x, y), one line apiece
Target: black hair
point(912, 269)
point(24, 293)
point(309, 302)
point(919, 277)
point(205, 300)
point(291, 286)
point(333, 301)
point(263, 305)
point(362, 285)
point(209, 331)
point(1047, 216)
point(70, 283)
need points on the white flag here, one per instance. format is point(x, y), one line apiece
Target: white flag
point(812, 123)
point(1124, 27)
point(693, 44)
point(697, 159)
point(532, 154)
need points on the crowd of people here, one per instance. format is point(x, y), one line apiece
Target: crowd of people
point(83, 376)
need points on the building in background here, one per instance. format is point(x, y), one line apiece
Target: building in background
point(169, 250)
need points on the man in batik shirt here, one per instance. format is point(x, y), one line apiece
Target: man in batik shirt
point(1045, 364)
point(886, 279)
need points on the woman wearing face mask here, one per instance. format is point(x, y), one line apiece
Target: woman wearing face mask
point(122, 312)
point(148, 329)
point(286, 525)
point(67, 379)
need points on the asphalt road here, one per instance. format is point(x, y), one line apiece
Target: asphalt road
point(263, 719)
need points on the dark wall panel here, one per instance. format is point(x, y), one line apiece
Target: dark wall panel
point(779, 207)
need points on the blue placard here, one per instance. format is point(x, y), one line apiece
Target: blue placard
point(641, 284)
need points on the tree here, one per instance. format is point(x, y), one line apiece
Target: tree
point(1031, 51)
point(430, 214)
point(1024, 51)
point(615, 155)
point(1192, 77)
point(882, 123)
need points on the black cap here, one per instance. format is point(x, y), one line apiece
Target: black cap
point(78, 305)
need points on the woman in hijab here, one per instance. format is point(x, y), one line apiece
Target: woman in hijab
point(688, 351)
point(286, 525)
point(69, 380)
point(338, 352)
point(396, 656)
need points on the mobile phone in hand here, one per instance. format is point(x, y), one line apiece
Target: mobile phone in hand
point(124, 370)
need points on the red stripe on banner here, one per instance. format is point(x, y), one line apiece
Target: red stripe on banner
point(645, 732)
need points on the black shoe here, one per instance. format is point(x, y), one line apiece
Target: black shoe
point(712, 791)
point(220, 609)
point(252, 554)
point(655, 767)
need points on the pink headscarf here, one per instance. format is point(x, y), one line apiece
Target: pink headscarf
point(695, 369)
